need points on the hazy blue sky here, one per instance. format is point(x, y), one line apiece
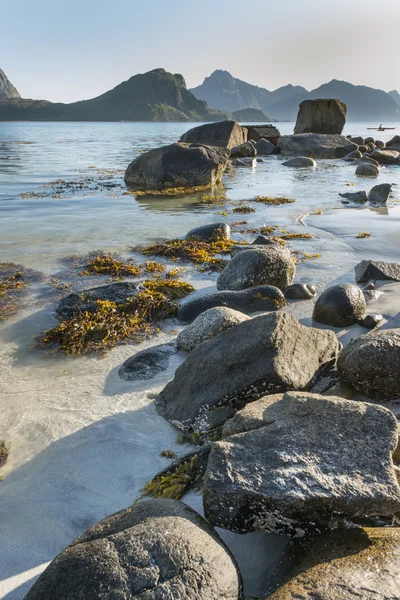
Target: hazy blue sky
point(65, 50)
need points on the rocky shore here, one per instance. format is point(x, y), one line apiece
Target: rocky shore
point(293, 427)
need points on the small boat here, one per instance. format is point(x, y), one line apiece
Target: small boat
point(380, 128)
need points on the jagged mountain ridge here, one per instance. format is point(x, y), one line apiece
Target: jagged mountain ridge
point(153, 96)
point(7, 90)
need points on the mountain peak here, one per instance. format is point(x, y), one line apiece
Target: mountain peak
point(7, 90)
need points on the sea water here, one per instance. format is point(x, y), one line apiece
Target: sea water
point(83, 441)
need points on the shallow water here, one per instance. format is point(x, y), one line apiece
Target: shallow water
point(82, 441)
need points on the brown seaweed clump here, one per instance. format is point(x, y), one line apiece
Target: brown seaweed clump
point(244, 209)
point(108, 264)
point(14, 283)
point(273, 201)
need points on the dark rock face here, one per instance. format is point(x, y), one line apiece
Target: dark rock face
point(259, 298)
point(74, 304)
point(394, 143)
point(316, 145)
point(247, 149)
point(380, 193)
point(267, 265)
point(340, 305)
point(367, 171)
point(371, 363)
point(359, 197)
point(385, 156)
point(7, 90)
point(300, 162)
point(210, 233)
point(3, 453)
point(264, 147)
point(371, 321)
point(300, 291)
point(152, 550)
point(225, 134)
point(288, 463)
point(177, 165)
point(381, 271)
point(356, 154)
point(335, 566)
point(265, 132)
point(148, 363)
point(266, 354)
point(321, 116)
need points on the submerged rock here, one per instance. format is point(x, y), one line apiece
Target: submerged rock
point(177, 165)
point(367, 170)
point(74, 304)
point(263, 266)
point(377, 270)
point(292, 463)
point(207, 325)
point(226, 134)
point(340, 305)
point(210, 233)
point(371, 362)
point(148, 363)
point(316, 145)
point(359, 197)
point(321, 116)
point(341, 565)
point(380, 193)
point(244, 162)
point(266, 354)
point(300, 291)
point(300, 162)
point(152, 550)
point(259, 298)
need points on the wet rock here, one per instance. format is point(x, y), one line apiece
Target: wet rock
point(300, 162)
point(226, 134)
point(343, 564)
point(369, 140)
point(264, 147)
point(261, 240)
point(357, 140)
point(363, 148)
point(207, 325)
point(177, 165)
point(371, 321)
point(247, 149)
point(377, 270)
point(292, 463)
point(380, 193)
point(3, 453)
point(148, 363)
point(74, 304)
point(210, 233)
point(244, 162)
point(266, 354)
point(385, 156)
point(359, 197)
point(316, 145)
point(300, 291)
point(371, 362)
point(367, 171)
point(152, 550)
point(259, 298)
point(394, 143)
point(264, 266)
point(340, 305)
point(379, 143)
point(321, 116)
point(353, 155)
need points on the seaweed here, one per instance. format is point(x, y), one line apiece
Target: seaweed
point(109, 264)
point(363, 235)
point(14, 283)
point(244, 209)
point(296, 236)
point(172, 191)
point(273, 201)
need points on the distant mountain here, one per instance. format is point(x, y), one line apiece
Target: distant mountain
point(251, 115)
point(226, 92)
point(396, 96)
point(363, 103)
point(153, 96)
point(7, 90)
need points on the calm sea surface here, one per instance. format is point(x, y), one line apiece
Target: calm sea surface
point(83, 441)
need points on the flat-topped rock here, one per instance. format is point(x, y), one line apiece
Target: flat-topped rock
point(294, 463)
point(266, 354)
point(265, 132)
point(226, 134)
point(377, 270)
point(315, 145)
point(74, 304)
point(321, 116)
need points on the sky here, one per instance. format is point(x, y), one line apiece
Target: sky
point(67, 50)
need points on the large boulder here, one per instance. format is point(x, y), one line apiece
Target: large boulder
point(256, 299)
point(267, 265)
point(152, 550)
point(343, 565)
point(394, 143)
point(247, 149)
point(207, 325)
point(385, 156)
point(321, 116)
point(316, 145)
point(265, 132)
point(226, 134)
point(340, 305)
point(177, 165)
point(75, 304)
point(264, 147)
point(371, 362)
point(267, 354)
point(379, 194)
point(377, 270)
point(146, 364)
point(296, 462)
point(210, 233)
